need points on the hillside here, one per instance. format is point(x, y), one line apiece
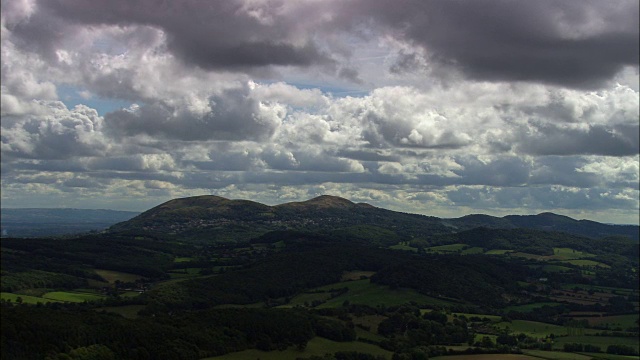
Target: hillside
point(220, 219)
point(372, 280)
point(223, 219)
point(548, 222)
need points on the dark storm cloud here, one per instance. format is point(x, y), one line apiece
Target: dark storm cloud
point(570, 43)
point(210, 34)
point(575, 43)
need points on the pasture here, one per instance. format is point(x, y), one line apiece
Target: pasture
point(530, 307)
point(317, 346)
point(602, 341)
point(447, 248)
point(403, 247)
point(568, 254)
point(612, 322)
point(366, 293)
point(26, 299)
point(72, 296)
point(532, 328)
point(113, 276)
point(498, 252)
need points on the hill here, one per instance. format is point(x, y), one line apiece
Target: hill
point(548, 222)
point(220, 219)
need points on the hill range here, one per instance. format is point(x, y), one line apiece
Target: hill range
point(215, 216)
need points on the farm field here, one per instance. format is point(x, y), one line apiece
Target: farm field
point(568, 253)
point(585, 263)
point(498, 252)
point(112, 276)
point(486, 357)
point(72, 296)
point(532, 328)
point(472, 250)
point(403, 247)
point(481, 316)
point(27, 299)
point(447, 248)
point(317, 346)
point(602, 341)
point(365, 293)
point(612, 290)
point(616, 321)
point(530, 307)
point(357, 275)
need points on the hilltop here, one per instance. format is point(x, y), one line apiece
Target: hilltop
point(220, 219)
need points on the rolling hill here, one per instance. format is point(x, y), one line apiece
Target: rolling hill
point(220, 219)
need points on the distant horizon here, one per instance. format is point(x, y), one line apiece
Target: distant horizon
point(503, 214)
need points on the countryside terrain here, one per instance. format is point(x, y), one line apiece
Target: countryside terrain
point(212, 278)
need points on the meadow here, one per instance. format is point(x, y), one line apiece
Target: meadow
point(317, 346)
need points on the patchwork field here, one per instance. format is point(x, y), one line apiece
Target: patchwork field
point(317, 346)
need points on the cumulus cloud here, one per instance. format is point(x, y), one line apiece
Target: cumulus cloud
point(447, 106)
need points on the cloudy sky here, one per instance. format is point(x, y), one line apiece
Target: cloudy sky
point(440, 107)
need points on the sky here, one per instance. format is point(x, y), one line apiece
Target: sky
point(438, 107)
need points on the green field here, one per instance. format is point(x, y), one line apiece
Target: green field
point(366, 293)
point(317, 346)
point(532, 328)
point(403, 247)
point(556, 268)
point(586, 263)
point(472, 250)
point(498, 252)
point(481, 316)
point(27, 299)
point(602, 341)
point(615, 321)
point(184, 273)
point(72, 296)
point(112, 276)
point(447, 248)
point(568, 253)
point(182, 259)
point(529, 307)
